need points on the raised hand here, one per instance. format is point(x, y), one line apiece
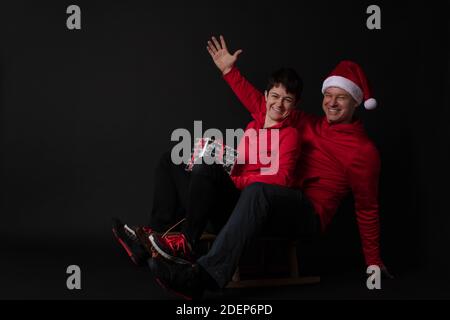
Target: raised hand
point(221, 57)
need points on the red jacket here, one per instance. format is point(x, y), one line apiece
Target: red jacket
point(284, 157)
point(335, 159)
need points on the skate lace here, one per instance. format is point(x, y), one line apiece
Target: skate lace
point(176, 224)
point(130, 233)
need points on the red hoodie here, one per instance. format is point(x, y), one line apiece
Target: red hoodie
point(283, 157)
point(335, 159)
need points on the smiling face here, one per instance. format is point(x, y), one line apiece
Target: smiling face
point(338, 105)
point(279, 104)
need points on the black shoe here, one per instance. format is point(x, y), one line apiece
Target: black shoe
point(184, 280)
point(128, 240)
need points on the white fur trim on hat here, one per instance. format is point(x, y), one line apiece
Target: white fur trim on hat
point(370, 104)
point(346, 84)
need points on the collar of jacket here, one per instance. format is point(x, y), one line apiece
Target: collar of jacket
point(287, 122)
point(354, 127)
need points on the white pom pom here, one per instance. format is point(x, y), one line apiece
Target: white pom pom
point(370, 104)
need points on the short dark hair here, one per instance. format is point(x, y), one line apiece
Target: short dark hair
point(289, 78)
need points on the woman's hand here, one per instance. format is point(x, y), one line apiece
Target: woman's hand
point(221, 57)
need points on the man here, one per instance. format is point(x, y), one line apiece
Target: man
point(337, 157)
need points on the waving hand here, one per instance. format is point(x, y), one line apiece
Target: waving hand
point(221, 56)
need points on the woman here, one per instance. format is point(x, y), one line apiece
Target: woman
point(208, 193)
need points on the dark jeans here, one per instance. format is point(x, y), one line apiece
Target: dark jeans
point(207, 194)
point(261, 208)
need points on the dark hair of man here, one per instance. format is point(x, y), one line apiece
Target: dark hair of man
point(289, 79)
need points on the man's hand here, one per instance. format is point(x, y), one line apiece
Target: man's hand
point(222, 58)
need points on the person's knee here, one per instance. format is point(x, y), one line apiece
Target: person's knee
point(257, 190)
point(254, 205)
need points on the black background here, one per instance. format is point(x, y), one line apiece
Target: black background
point(86, 113)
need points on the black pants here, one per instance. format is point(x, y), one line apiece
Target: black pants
point(261, 208)
point(205, 195)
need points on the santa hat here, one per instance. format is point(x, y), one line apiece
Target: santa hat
point(349, 76)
